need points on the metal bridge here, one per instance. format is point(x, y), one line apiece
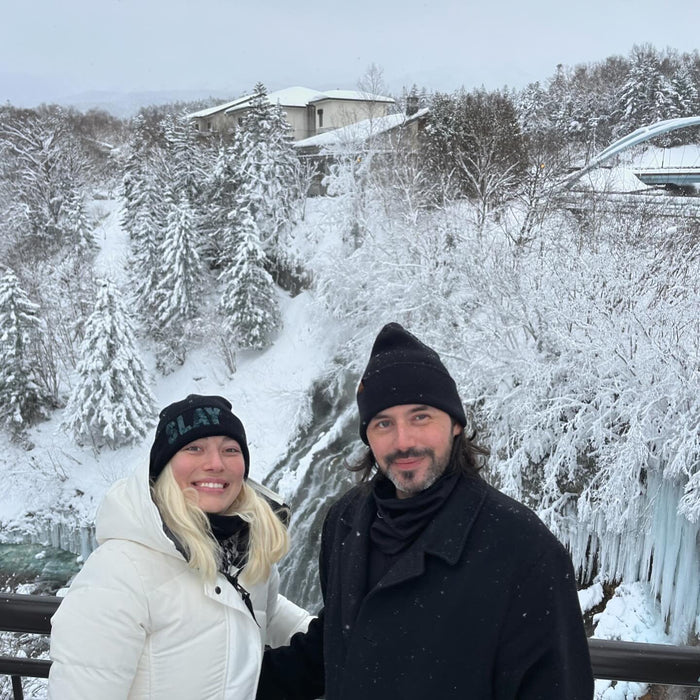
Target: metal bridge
point(680, 177)
point(660, 175)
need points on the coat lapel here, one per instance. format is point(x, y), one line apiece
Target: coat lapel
point(445, 537)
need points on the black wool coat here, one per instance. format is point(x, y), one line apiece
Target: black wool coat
point(483, 605)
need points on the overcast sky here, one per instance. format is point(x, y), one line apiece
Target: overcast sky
point(54, 48)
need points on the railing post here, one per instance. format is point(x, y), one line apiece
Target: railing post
point(17, 691)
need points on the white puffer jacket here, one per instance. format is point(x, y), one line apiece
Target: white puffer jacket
point(138, 623)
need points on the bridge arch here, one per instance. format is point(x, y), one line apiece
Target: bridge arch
point(640, 135)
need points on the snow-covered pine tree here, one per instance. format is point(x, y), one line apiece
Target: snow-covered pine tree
point(257, 173)
point(145, 189)
point(78, 229)
point(222, 191)
point(178, 293)
point(647, 95)
point(22, 401)
point(46, 161)
point(269, 165)
point(186, 158)
point(133, 175)
point(350, 180)
point(558, 100)
point(148, 227)
point(249, 305)
point(180, 267)
point(685, 91)
point(111, 402)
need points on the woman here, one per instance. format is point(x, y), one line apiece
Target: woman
point(181, 596)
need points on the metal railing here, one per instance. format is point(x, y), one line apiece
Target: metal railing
point(656, 664)
point(26, 614)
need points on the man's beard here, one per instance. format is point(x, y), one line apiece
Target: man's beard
point(408, 481)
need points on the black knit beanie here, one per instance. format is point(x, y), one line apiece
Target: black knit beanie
point(403, 370)
point(188, 420)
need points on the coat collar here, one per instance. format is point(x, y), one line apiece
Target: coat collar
point(447, 535)
point(444, 537)
point(128, 512)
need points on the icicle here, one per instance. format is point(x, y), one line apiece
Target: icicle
point(662, 550)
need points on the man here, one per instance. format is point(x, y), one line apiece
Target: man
point(435, 584)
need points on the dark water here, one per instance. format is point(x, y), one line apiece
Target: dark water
point(46, 568)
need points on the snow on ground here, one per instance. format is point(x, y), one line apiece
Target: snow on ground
point(112, 259)
point(632, 614)
point(589, 597)
point(615, 179)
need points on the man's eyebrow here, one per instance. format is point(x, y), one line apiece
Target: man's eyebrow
point(416, 409)
point(377, 416)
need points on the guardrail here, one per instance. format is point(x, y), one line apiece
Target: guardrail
point(656, 664)
point(27, 614)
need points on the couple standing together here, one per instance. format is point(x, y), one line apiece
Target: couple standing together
point(435, 584)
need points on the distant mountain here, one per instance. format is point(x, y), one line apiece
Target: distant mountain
point(127, 104)
point(30, 91)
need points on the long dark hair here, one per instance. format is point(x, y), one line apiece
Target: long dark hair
point(466, 457)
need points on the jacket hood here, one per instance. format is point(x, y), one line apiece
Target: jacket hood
point(129, 513)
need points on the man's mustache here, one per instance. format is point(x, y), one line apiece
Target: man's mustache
point(411, 453)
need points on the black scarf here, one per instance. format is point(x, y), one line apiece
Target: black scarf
point(233, 535)
point(399, 521)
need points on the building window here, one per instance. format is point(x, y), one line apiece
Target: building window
point(320, 118)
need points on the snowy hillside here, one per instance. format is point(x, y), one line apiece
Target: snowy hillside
point(269, 392)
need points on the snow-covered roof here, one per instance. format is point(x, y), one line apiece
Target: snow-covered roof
point(359, 131)
point(297, 96)
point(219, 108)
point(351, 95)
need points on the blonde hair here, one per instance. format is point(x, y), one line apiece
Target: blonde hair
point(268, 541)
